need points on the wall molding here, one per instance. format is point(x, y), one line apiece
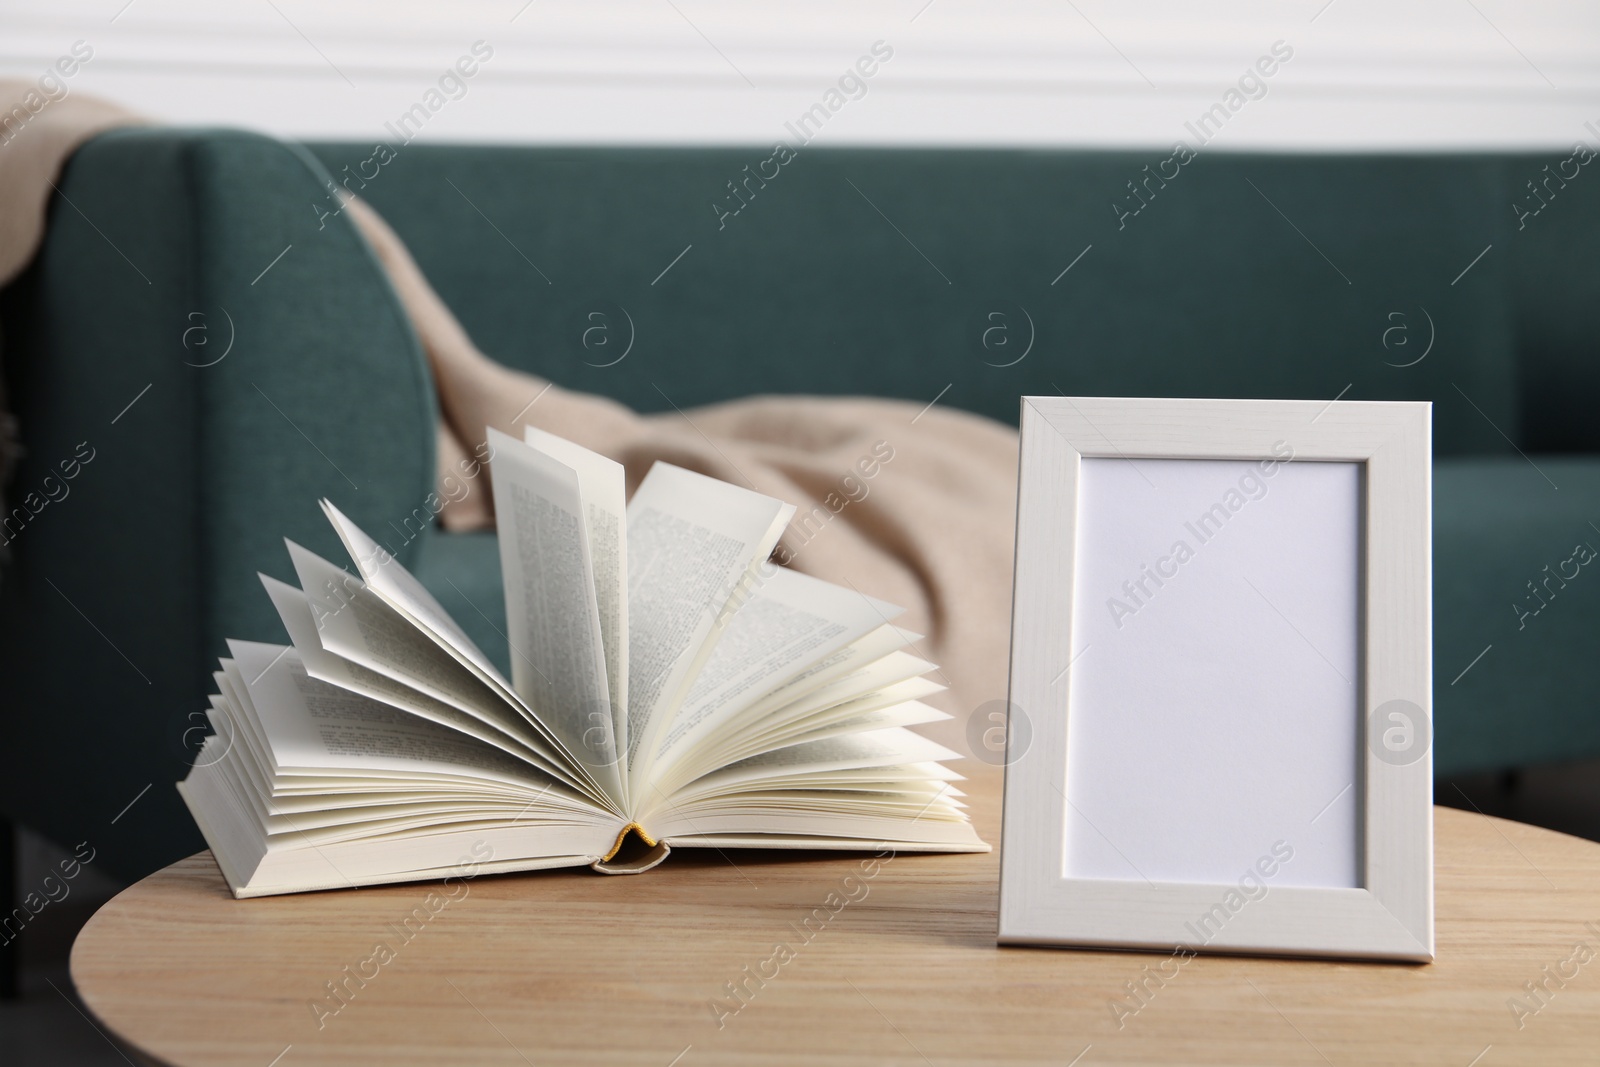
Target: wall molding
point(1438, 75)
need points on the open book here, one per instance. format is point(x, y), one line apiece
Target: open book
point(670, 687)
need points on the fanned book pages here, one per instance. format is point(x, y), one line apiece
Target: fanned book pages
point(669, 688)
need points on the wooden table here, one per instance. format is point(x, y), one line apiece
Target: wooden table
point(573, 967)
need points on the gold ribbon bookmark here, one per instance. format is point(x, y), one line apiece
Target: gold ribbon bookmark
point(623, 836)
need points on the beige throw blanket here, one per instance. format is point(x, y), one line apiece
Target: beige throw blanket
point(911, 504)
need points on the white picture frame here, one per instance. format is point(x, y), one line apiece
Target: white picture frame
point(1370, 897)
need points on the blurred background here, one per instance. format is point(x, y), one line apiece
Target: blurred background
point(1490, 83)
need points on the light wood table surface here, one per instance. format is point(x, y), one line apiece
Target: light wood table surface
point(574, 967)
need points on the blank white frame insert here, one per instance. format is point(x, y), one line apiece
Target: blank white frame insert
point(1215, 596)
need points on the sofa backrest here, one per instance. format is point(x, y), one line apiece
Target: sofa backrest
point(1553, 204)
point(722, 272)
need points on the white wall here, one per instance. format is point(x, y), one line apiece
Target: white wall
point(1431, 74)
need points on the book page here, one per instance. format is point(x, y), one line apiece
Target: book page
point(499, 728)
point(876, 714)
point(848, 700)
point(759, 810)
point(250, 752)
point(873, 748)
point(806, 715)
point(692, 540)
point(552, 616)
point(354, 623)
point(399, 589)
point(823, 794)
point(856, 656)
point(937, 830)
point(786, 623)
point(604, 487)
point(729, 799)
point(391, 797)
point(311, 724)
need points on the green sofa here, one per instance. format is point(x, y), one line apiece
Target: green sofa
point(968, 276)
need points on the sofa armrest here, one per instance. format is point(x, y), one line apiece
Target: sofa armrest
point(214, 355)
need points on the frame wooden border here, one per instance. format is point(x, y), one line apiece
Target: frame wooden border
point(1391, 916)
